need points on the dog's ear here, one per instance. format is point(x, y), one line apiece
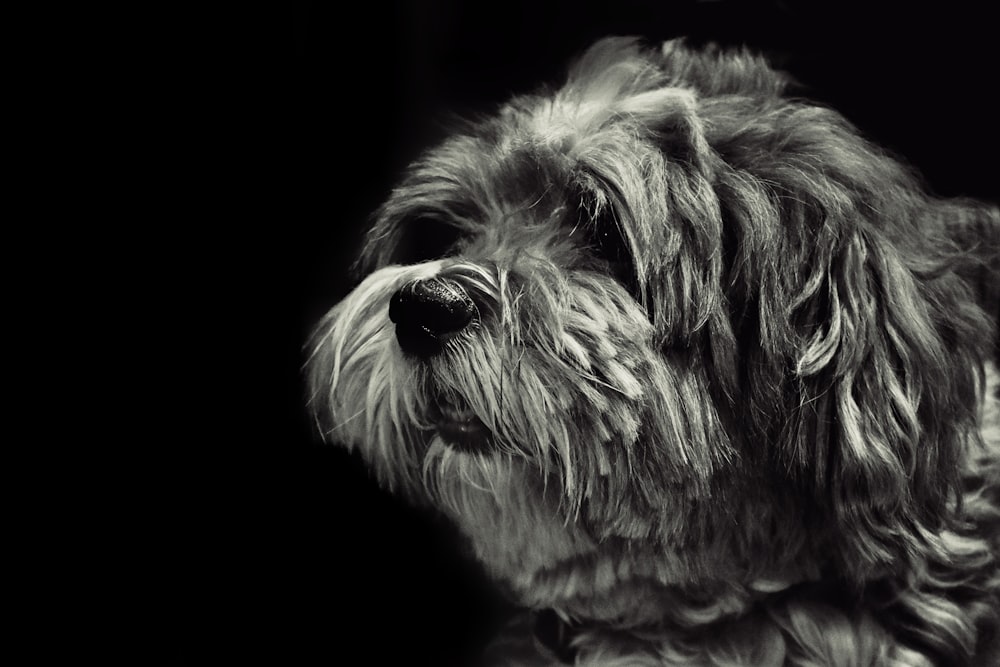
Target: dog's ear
point(882, 381)
point(861, 349)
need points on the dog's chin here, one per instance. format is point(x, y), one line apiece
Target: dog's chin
point(460, 428)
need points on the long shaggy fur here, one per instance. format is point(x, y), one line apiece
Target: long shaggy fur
point(732, 359)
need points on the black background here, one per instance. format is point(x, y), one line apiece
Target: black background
point(271, 132)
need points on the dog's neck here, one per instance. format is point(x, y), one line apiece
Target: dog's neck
point(548, 562)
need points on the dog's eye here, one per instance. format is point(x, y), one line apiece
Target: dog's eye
point(610, 245)
point(425, 239)
point(605, 236)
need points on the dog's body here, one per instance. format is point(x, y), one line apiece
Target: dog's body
point(690, 364)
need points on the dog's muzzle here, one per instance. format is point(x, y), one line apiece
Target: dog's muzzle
point(429, 312)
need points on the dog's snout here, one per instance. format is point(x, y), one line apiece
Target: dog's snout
point(429, 312)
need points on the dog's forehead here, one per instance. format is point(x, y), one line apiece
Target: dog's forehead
point(537, 151)
point(500, 173)
point(515, 172)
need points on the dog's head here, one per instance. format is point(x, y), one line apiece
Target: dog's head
point(660, 333)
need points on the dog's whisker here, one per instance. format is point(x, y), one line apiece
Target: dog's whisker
point(345, 423)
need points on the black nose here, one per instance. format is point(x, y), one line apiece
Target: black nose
point(429, 312)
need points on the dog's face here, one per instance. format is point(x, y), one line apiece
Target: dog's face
point(660, 334)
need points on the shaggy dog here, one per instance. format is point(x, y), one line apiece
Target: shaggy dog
point(703, 376)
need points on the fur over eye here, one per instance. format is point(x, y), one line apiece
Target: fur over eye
point(610, 245)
